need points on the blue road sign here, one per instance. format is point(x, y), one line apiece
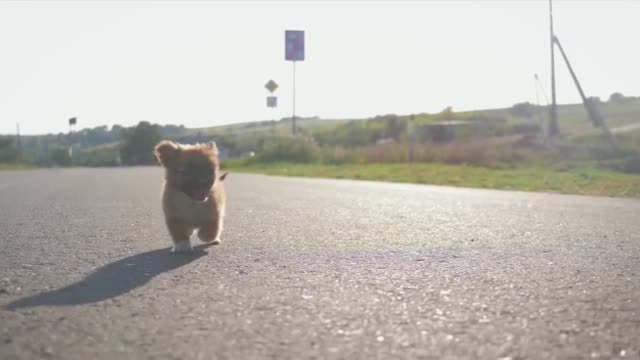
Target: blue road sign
point(294, 45)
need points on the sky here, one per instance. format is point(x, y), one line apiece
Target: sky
point(205, 63)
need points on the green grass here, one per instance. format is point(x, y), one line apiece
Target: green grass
point(582, 180)
point(15, 167)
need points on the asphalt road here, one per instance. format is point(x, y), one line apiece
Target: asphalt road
point(314, 269)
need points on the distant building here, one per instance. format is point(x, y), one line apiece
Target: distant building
point(445, 131)
point(449, 130)
point(385, 141)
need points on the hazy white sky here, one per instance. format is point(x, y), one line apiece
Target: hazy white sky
point(204, 63)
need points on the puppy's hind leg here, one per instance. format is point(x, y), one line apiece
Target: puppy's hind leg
point(210, 232)
point(180, 233)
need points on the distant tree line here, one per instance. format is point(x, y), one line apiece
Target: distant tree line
point(117, 145)
point(92, 146)
point(9, 153)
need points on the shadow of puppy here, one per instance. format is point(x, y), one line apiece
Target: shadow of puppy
point(112, 280)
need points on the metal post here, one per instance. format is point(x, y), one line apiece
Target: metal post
point(553, 121)
point(18, 142)
point(538, 112)
point(293, 118)
point(412, 137)
point(70, 150)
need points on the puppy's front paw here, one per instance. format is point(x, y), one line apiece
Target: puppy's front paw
point(182, 247)
point(216, 241)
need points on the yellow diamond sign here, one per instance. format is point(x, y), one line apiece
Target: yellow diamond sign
point(271, 86)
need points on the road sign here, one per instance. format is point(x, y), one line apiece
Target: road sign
point(272, 101)
point(294, 45)
point(271, 86)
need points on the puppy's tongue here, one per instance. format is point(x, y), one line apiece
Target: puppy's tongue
point(200, 195)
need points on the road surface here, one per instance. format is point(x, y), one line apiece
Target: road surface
point(312, 268)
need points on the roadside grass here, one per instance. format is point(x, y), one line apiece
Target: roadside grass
point(4, 167)
point(582, 180)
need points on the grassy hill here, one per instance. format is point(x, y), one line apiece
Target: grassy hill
point(359, 140)
point(573, 120)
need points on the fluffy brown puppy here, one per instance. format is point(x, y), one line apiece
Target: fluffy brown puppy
point(193, 196)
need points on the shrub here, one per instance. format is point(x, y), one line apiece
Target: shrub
point(631, 165)
point(60, 156)
point(295, 150)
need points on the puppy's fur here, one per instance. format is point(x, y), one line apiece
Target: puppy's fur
point(193, 196)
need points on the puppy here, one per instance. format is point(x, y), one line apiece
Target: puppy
point(193, 195)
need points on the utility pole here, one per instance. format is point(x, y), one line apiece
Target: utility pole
point(18, 142)
point(553, 119)
point(72, 121)
point(411, 130)
point(592, 108)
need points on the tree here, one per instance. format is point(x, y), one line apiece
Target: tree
point(617, 97)
point(394, 127)
point(117, 129)
point(60, 156)
point(8, 152)
point(446, 114)
point(525, 109)
point(138, 144)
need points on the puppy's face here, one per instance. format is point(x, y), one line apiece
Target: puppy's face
point(192, 169)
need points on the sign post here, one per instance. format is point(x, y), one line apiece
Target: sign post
point(294, 51)
point(72, 122)
point(272, 101)
point(411, 132)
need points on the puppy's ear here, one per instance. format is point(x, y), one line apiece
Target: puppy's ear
point(167, 152)
point(223, 176)
point(213, 147)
